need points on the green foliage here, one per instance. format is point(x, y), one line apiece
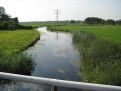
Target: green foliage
point(8, 23)
point(94, 20)
point(73, 21)
point(17, 63)
point(38, 24)
point(15, 41)
point(110, 22)
point(118, 22)
point(11, 44)
point(4, 17)
point(101, 59)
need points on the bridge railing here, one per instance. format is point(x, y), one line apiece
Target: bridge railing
point(59, 83)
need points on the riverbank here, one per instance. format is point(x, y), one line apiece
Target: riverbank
point(100, 50)
point(12, 44)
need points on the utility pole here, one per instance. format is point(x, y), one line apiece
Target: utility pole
point(57, 12)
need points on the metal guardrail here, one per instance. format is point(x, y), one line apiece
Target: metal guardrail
point(59, 83)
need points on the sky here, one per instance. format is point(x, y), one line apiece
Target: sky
point(43, 10)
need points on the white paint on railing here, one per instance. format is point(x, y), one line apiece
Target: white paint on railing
point(59, 83)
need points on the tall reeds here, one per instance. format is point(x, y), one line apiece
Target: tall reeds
point(101, 59)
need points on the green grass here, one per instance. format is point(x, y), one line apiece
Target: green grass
point(15, 41)
point(108, 32)
point(33, 24)
point(12, 43)
point(101, 59)
point(38, 24)
point(17, 63)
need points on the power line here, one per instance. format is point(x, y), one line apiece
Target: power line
point(57, 12)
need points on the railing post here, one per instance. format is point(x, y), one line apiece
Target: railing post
point(55, 88)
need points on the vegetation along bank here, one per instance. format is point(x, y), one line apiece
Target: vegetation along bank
point(14, 38)
point(11, 45)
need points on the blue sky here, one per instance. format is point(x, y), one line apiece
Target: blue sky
point(43, 10)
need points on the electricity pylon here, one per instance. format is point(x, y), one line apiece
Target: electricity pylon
point(57, 12)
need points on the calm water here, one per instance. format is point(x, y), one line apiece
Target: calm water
point(55, 56)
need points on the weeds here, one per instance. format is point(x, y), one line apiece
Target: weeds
point(101, 59)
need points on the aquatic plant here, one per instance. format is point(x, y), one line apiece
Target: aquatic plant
point(101, 59)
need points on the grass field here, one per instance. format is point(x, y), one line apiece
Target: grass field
point(33, 24)
point(100, 49)
point(15, 41)
point(38, 24)
point(11, 45)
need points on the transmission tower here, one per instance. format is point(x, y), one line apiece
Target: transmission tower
point(57, 12)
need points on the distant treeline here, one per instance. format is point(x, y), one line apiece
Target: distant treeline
point(96, 20)
point(8, 23)
point(92, 21)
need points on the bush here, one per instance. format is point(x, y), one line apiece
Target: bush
point(110, 22)
point(94, 20)
point(24, 27)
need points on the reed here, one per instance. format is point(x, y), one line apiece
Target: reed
point(101, 59)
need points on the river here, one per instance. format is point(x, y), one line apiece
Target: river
point(55, 56)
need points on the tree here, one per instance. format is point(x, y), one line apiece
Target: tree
point(94, 20)
point(73, 21)
point(8, 23)
point(4, 17)
point(110, 22)
point(118, 22)
point(16, 20)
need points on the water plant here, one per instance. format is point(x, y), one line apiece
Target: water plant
point(17, 63)
point(101, 59)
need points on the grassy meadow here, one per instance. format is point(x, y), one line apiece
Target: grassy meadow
point(38, 24)
point(16, 41)
point(12, 43)
point(100, 48)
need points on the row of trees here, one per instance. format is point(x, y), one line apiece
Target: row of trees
point(8, 23)
point(96, 20)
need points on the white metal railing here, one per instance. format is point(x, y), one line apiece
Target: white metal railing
point(59, 83)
